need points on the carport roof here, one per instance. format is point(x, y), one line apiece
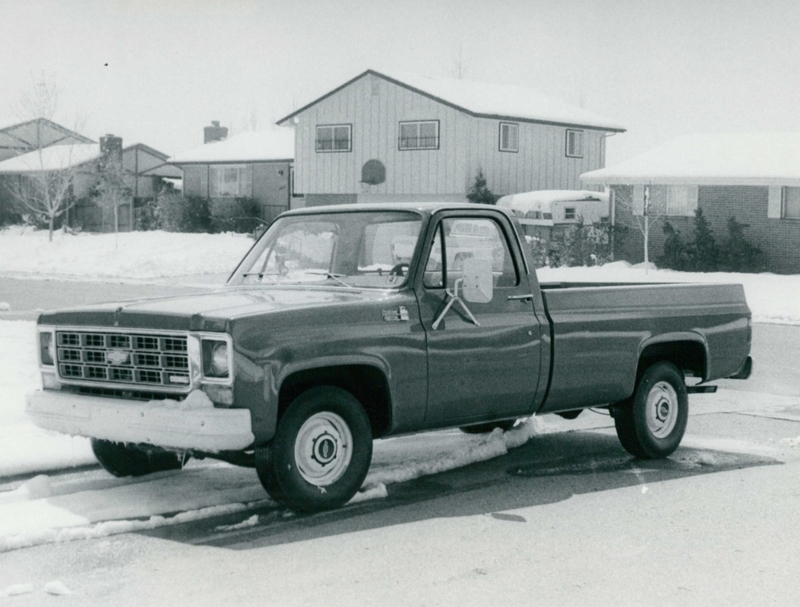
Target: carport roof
point(711, 159)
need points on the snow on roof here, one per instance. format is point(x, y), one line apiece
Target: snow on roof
point(712, 159)
point(492, 100)
point(52, 158)
point(245, 147)
point(542, 200)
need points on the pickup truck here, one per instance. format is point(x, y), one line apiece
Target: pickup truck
point(344, 324)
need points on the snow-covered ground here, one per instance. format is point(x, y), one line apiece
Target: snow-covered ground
point(154, 256)
point(131, 256)
point(54, 508)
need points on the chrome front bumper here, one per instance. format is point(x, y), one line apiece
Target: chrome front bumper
point(133, 421)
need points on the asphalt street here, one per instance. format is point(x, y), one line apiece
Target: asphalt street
point(568, 518)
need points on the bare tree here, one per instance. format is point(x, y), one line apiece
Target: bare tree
point(646, 210)
point(111, 191)
point(43, 186)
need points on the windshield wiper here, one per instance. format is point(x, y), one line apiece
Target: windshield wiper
point(261, 276)
point(336, 277)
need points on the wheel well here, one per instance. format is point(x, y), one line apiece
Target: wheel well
point(688, 356)
point(366, 383)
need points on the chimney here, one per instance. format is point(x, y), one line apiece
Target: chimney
point(215, 132)
point(111, 147)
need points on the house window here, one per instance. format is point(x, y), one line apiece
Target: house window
point(422, 135)
point(509, 137)
point(670, 200)
point(335, 138)
point(791, 203)
point(574, 143)
point(569, 212)
point(230, 181)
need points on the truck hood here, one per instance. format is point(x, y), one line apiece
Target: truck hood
point(207, 311)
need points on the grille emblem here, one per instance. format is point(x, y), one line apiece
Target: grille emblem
point(116, 357)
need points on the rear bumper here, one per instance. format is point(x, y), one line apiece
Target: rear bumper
point(745, 371)
point(134, 421)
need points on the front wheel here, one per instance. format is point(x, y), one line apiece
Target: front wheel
point(125, 459)
point(651, 425)
point(321, 451)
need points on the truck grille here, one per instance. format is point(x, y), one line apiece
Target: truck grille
point(123, 358)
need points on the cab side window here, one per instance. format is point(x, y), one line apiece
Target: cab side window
point(466, 237)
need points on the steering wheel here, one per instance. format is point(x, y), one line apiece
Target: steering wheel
point(398, 270)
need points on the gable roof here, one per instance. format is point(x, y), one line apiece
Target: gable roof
point(486, 100)
point(256, 146)
point(9, 124)
point(60, 157)
point(711, 159)
point(52, 158)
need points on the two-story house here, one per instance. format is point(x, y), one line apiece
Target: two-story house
point(380, 138)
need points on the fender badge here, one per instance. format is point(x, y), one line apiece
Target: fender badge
point(398, 315)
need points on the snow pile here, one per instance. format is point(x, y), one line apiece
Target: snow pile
point(24, 448)
point(124, 256)
point(772, 298)
point(46, 510)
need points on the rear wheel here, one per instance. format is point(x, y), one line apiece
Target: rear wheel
point(125, 459)
point(321, 451)
point(651, 425)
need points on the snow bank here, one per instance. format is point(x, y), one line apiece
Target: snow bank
point(126, 256)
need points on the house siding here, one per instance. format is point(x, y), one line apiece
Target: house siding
point(375, 108)
point(777, 238)
point(270, 187)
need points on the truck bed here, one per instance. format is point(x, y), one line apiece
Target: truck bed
point(598, 333)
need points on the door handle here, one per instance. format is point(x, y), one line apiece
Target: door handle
point(521, 298)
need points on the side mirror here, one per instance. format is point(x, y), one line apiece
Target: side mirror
point(478, 282)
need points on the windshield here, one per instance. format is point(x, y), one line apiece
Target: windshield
point(357, 249)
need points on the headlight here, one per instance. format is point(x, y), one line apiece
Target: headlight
point(47, 348)
point(216, 361)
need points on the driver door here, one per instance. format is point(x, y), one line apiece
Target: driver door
point(489, 370)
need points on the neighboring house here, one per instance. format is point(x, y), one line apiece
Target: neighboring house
point(21, 137)
point(548, 213)
point(256, 165)
point(384, 138)
point(752, 177)
point(140, 162)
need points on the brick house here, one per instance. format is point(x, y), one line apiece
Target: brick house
point(256, 165)
point(752, 177)
point(380, 138)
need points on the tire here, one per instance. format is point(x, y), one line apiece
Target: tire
point(125, 459)
point(504, 425)
point(651, 425)
point(321, 451)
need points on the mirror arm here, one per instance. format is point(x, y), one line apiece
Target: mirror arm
point(453, 299)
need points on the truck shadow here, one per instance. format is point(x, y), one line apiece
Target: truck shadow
point(546, 470)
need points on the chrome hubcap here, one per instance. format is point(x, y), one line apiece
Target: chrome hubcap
point(323, 448)
point(662, 409)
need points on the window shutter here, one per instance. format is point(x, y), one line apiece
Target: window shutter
point(637, 204)
point(774, 202)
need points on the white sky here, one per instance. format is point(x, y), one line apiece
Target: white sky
point(157, 71)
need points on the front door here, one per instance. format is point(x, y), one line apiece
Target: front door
point(489, 370)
